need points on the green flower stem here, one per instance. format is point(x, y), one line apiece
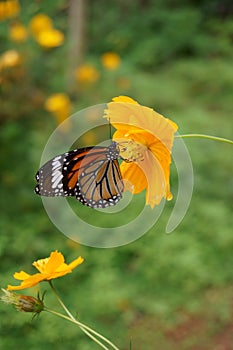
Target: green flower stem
point(202, 136)
point(77, 323)
point(60, 301)
point(82, 326)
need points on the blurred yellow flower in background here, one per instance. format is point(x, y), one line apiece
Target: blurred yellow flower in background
point(42, 29)
point(9, 9)
point(59, 105)
point(18, 32)
point(40, 23)
point(110, 60)
point(145, 139)
point(50, 38)
point(10, 59)
point(86, 74)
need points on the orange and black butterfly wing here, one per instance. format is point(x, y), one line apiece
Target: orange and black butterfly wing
point(51, 177)
point(91, 174)
point(101, 184)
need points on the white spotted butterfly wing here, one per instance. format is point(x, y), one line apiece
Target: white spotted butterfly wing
point(90, 174)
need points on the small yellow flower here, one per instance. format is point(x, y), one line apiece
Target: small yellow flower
point(145, 139)
point(110, 60)
point(23, 303)
point(39, 23)
point(18, 32)
point(86, 74)
point(57, 102)
point(8, 9)
point(50, 38)
point(59, 105)
point(49, 268)
point(10, 59)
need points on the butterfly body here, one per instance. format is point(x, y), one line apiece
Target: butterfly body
point(91, 174)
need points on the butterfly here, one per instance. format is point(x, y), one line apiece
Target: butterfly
point(91, 174)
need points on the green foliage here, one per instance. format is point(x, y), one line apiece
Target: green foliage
point(153, 288)
point(164, 31)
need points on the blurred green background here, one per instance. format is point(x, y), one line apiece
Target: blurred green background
point(165, 291)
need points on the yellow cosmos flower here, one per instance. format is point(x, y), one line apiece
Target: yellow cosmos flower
point(9, 9)
point(18, 32)
point(49, 268)
point(50, 38)
point(86, 74)
point(59, 105)
point(110, 60)
point(39, 23)
point(10, 59)
point(145, 139)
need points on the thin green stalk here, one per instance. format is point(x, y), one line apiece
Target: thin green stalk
point(60, 301)
point(84, 328)
point(77, 323)
point(203, 136)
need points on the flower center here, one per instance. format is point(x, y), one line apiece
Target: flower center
point(41, 264)
point(132, 151)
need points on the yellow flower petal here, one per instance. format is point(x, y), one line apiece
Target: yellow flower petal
point(48, 265)
point(21, 275)
point(124, 99)
point(27, 283)
point(156, 182)
point(76, 262)
point(135, 176)
point(131, 114)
